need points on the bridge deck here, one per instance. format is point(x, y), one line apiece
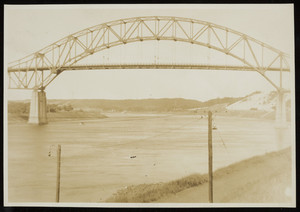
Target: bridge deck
point(147, 66)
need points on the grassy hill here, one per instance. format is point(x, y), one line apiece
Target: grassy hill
point(143, 105)
point(18, 111)
point(227, 106)
point(133, 105)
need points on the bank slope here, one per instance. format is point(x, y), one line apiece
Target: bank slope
point(261, 179)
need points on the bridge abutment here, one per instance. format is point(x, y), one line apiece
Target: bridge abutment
point(38, 108)
point(281, 111)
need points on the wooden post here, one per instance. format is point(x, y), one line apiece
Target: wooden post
point(58, 173)
point(210, 157)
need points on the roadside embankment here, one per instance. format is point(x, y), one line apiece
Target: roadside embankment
point(261, 179)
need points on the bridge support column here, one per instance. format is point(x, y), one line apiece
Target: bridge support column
point(281, 110)
point(38, 108)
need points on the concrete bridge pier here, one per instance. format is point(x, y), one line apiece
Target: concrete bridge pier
point(281, 111)
point(281, 126)
point(38, 108)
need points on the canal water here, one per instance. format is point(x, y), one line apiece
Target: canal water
point(98, 157)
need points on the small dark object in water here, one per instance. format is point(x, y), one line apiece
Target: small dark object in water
point(133, 156)
point(214, 128)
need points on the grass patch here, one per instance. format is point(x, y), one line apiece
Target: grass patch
point(155, 191)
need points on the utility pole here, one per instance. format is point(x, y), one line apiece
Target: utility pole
point(210, 158)
point(58, 172)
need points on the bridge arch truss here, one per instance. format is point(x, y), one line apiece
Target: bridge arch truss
point(38, 70)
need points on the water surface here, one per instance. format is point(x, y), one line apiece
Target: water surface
point(101, 156)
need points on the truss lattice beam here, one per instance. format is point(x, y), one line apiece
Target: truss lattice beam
point(65, 53)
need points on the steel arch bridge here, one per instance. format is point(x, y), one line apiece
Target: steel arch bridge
point(38, 70)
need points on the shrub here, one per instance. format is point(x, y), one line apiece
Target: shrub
point(18, 107)
point(68, 107)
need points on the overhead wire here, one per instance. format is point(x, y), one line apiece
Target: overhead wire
point(171, 130)
point(157, 135)
point(219, 133)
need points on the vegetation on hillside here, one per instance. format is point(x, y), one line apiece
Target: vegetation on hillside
point(19, 112)
point(23, 107)
point(145, 105)
point(18, 107)
point(140, 105)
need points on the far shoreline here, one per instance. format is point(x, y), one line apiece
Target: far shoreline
point(82, 115)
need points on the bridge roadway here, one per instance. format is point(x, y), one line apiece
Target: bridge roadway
point(147, 66)
point(36, 71)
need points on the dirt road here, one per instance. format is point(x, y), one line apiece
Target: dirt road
point(264, 179)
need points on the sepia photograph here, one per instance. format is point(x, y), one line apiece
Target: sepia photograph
point(169, 105)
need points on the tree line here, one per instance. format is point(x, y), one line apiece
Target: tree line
point(24, 107)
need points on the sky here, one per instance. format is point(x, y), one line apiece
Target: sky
point(30, 28)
